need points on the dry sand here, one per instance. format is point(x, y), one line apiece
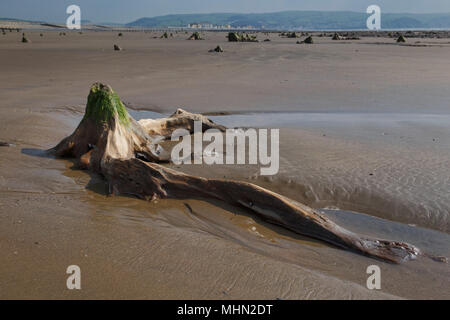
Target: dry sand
point(364, 127)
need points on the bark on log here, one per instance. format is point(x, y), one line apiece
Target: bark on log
point(112, 143)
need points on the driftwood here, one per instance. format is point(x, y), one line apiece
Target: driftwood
point(110, 142)
point(180, 119)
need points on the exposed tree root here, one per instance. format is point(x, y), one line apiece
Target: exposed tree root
point(180, 119)
point(152, 181)
point(125, 153)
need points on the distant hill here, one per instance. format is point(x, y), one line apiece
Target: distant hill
point(20, 20)
point(312, 20)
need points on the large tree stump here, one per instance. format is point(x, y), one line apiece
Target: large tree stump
point(110, 142)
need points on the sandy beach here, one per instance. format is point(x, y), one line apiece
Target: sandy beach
point(364, 137)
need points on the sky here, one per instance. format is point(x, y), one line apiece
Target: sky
point(124, 11)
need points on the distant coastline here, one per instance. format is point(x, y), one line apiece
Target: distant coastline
point(286, 20)
point(299, 20)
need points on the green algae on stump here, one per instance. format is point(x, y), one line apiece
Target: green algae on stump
point(336, 36)
point(106, 132)
point(103, 103)
point(401, 39)
point(195, 36)
point(241, 37)
point(309, 40)
point(292, 35)
point(234, 37)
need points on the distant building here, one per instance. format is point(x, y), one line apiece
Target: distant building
point(207, 26)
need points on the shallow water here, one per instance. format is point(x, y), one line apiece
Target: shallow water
point(325, 119)
point(393, 166)
point(410, 135)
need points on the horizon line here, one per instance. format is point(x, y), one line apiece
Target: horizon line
point(210, 13)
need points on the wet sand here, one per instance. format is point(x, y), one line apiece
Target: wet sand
point(364, 127)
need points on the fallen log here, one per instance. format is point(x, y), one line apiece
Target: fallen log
point(110, 142)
